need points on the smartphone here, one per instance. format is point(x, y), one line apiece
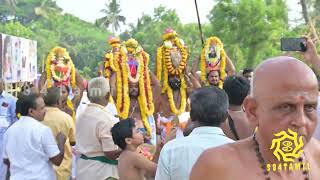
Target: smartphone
point(293, 44)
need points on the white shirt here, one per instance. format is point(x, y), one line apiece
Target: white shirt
point(28, 146)
point(179, 155)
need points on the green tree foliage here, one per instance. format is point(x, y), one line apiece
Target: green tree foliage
point(41, 20)
point(112, 16)
point(16, 29)
point(149, 30)
point(250, 29)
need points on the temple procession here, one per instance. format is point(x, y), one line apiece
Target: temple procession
point(162, 115)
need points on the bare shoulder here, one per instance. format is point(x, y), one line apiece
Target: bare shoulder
point(314, 148)
point(217, 162)
point(126, 156)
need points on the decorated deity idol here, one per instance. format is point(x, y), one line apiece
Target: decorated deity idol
point(107, 67)
point(214, 63)
point(60, 72)
point(134, 92)
point(172, 57)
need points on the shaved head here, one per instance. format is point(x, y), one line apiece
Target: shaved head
point(283, 71)
point(284, 95)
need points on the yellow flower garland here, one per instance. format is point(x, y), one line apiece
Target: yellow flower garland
point(109, 64)
point(123, 100)
point(164, 64)
point(145, 99)
point(168, 62)
point(203, 64)
point(51, 75)
point(183, 91)
point(70, 105)
point(159, 62)
point(183, 102)
point(145, 103)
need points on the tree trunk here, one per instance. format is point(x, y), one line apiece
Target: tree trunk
point(304, 11)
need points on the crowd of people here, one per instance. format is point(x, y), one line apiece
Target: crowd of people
point(176, 124)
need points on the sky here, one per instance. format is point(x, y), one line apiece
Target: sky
point(89, 10)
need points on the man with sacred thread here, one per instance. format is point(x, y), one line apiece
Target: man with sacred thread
point(60, 72)
point(134, 88)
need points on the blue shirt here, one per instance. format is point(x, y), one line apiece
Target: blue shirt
point(179, 155)
point(7, 110)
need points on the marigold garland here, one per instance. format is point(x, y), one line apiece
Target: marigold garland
point(168, 62)
point(165, 66)
point(109, 64)
point(50, 68)
point(145, 98)
point(159, 62)
point(70, 105)
point(183, 102)
point(203, 60)
point(123, 100)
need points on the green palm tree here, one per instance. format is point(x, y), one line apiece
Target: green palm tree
point(113, 17)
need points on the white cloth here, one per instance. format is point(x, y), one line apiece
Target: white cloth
point(111, 108)
point(28, 145)
point(179, 155)
point(7, 118)
point(317, 131)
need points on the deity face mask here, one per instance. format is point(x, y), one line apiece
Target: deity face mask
point(175, 83)
point(60, 68)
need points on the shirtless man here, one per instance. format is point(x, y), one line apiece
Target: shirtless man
point(284, 95)
point(237, 125)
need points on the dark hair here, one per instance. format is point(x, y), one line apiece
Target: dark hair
point(237, 88)
point(209, 106)
point(247, 70)
point(212, 71)
point(122, 130)
point(52, 96)
point(26, 102)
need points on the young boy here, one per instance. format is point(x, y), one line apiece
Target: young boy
point(131, 164)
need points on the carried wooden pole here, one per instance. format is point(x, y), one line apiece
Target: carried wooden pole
point(199, 23)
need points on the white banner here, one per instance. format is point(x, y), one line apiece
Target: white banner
point(19, 59)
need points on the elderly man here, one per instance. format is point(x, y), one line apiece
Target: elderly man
point(93, 136)
point(209, 109)
point(59, 121)
point(283, 107)
point(7, 118)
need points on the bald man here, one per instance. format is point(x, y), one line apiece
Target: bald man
point(284, 95)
